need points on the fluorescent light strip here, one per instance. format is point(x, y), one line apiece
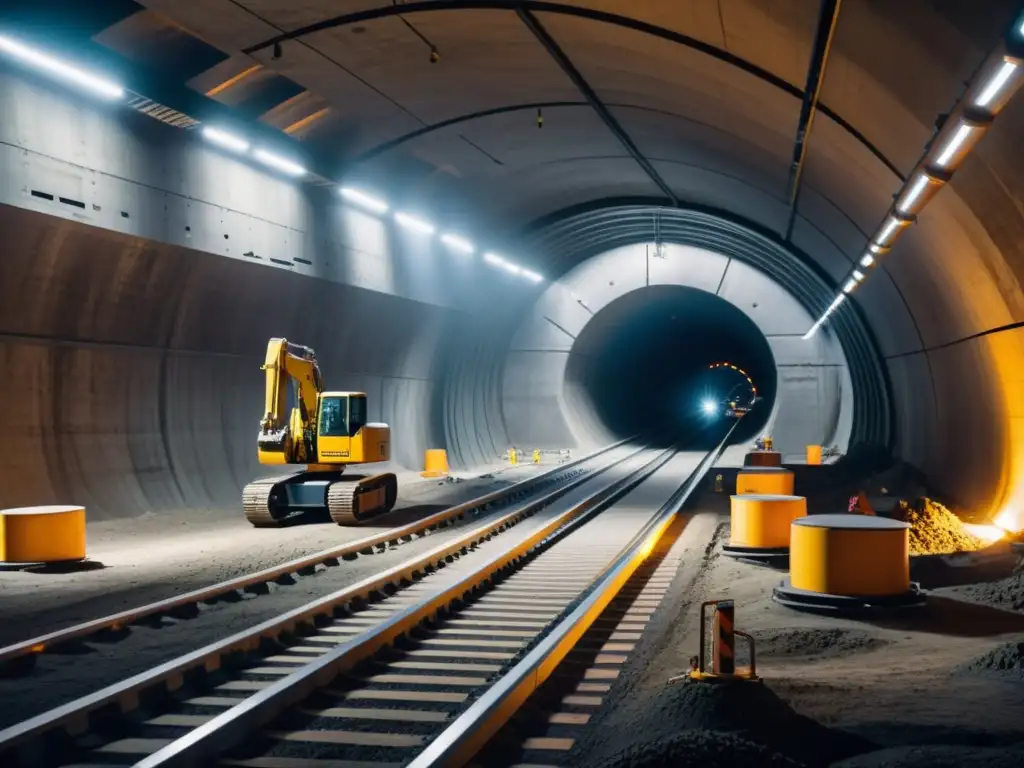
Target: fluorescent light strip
point(511, 268)
point(850, 285)
point(915, 192)
point(413, 223)
point(954, 144)
point(225, 139)
point(995, 85)
point(457, 243)
point(280, 163)
point(366, 201)
point(887, 232)
point(57, 67)
point(858, 275)
point(493, 258)
point(532, 276)
point(867, 260)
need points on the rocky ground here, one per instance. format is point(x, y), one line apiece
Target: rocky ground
point(941, 686)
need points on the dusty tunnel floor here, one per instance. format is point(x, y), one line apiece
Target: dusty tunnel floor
point(944, 687)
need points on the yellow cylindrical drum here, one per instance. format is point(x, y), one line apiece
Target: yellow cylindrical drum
point(850, 555)
point(435, 462)
point(42, 534)
point(763, 520)
point(814, 455)
point(771, 480)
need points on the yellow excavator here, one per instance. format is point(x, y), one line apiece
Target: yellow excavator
point(326, 431)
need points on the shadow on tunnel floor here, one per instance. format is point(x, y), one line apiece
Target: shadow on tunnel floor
point(56, 568)
point(953, 618)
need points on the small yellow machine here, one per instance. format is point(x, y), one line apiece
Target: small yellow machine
point(326, 431)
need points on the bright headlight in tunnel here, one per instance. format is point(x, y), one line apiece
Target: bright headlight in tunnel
point(225, 139)
point(369, 202)
point(415, 224)
point(279, 163)
point(709, 407)
point(61, 69)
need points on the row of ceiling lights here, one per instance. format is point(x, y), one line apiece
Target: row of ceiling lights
point(230, 141)
point(997, 81)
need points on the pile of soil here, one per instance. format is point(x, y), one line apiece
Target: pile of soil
point(720, 725)
point(1007, 660)
point(709, 749)
point(934, 530)
point(943, 756)
point(781, 643)
point(1006, 594)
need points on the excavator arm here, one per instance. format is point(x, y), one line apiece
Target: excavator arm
point(288, 437)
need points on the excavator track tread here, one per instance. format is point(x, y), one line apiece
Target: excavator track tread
point(344, 495)
point(256, 502)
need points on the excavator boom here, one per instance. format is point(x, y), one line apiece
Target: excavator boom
point(288, 439)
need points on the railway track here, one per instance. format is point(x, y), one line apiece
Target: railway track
point(417, 666)
point(20, 658)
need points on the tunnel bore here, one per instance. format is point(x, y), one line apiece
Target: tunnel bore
point(643, 363)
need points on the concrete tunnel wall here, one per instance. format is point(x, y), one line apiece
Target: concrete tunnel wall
point(141, 274)
point(543, 406)
point(945, 310)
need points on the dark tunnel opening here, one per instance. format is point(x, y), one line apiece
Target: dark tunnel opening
point(645, 363)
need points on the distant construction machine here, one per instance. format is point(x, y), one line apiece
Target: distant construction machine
point(327, 431)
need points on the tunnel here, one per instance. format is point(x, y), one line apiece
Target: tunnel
point(643, 193)
point(645, 361)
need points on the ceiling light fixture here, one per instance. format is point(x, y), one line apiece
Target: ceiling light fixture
point(413, 223)
point(366, 201)
point(954, 144)
point(457, 243)
point(532, 276)
point(61, 69)
point(280, 163)
point(867, 260)
point(225, 139)
point(996, 84)
point(906, 204)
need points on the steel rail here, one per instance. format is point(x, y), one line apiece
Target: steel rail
point(468, 733)
point(20, 657)
point(73, 718)
point(226, 730)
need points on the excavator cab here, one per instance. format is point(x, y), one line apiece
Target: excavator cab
point(344, 436)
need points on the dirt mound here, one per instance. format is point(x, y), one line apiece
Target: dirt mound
point(940, 756)
point(778, 643)
point(707, 749)
point(934, 530)
point(1006, 660)
point(1007, 594)
point(751, 713)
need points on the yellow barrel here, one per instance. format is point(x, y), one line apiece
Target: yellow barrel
point(763, 520)
point(814, 455)
point(435, 463)
point(850, 555)
point(42, 534)
point(764, 459)
point(771, 480)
